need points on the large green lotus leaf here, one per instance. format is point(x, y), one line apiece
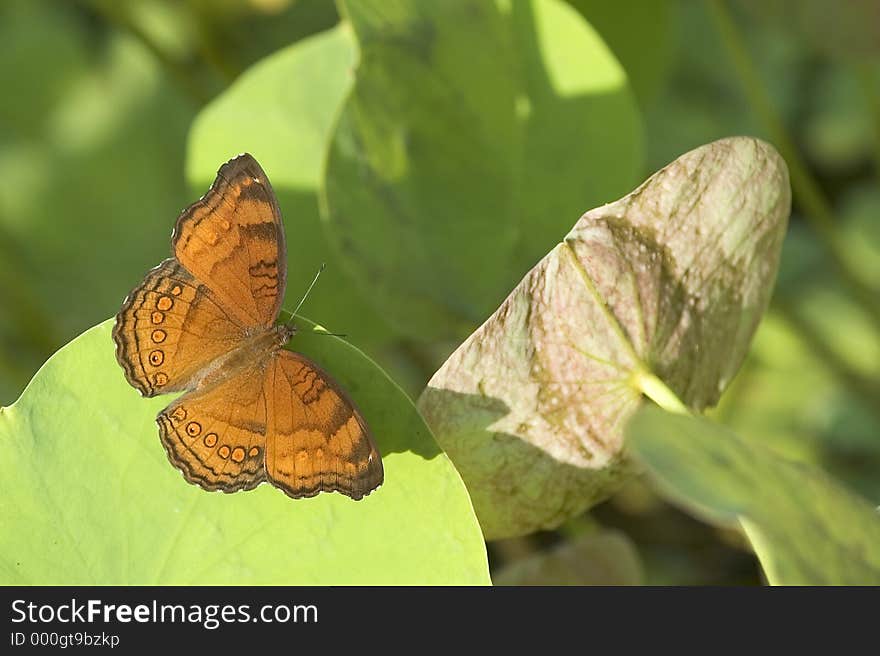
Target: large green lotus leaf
point(452, 172)
point(281, 111)
point(87, 495)
point(669, 281)
point(805, 528)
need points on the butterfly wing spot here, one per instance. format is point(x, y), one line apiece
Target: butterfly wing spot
point(210, 439)
point(223, 451)
point(193, 429)
point(225, 225)
point(160, 379)
point(193, 329)
point(179, 414)
point(254, 452)
point(157, 357)
point(238, 454)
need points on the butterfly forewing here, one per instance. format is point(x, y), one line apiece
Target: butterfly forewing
point(232, 240)
point(169, 328)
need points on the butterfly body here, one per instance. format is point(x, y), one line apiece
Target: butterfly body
point(203, 322)
point(258, 347)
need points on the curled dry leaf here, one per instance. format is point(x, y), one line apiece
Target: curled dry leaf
point(670, 280)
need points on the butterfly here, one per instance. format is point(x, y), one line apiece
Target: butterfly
point(204, 322)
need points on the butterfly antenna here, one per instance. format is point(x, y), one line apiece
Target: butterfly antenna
point(306, 295)
point(324, 332)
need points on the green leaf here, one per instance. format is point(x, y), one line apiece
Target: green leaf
point(600, 558)
point(451, 172)
point(668, 282)
point(87, 495)
point(640, 35)
point(281, 111)
point(805, 528)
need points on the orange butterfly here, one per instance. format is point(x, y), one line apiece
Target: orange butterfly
point(204, 321)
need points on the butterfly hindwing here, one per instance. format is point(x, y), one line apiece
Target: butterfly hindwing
point(232, 240)
point(317, 439)
point(169, 328)
point(216, 437)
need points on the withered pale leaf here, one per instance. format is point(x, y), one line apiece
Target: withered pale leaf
point(670, 280)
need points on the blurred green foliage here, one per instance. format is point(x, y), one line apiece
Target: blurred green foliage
point(101, 97)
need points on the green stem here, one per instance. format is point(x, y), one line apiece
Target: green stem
point(656, 390)
point(808, 194)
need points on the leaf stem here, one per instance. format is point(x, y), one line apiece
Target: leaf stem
point(656, 390)
point(809, 195)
